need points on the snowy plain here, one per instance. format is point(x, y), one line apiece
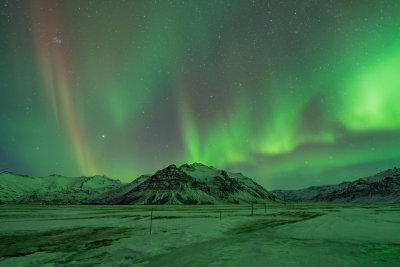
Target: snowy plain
point(215, 235)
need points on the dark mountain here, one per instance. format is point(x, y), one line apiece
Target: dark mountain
point(189, 184)
point(383, 187)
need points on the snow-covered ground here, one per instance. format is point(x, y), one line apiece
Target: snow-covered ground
point(276, 235)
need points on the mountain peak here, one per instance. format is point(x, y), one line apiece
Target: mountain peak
point(198, 164)
point(194, 165)
point(193, 183)
point(171, 166)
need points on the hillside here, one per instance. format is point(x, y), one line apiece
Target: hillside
point(383, 187)
point(187, 184)
point(190, 184)
point(53, 189)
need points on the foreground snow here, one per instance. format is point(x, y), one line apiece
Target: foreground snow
point(295, 235)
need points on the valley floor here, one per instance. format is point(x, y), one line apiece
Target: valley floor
point(276, 235)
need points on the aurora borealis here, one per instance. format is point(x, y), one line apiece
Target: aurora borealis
point(291, 93)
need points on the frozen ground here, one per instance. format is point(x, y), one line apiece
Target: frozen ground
point(293, 235)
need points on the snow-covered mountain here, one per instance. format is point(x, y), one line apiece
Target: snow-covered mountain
point(113, 196)
point(53, 189)
point(189, 184)
point(383, 187)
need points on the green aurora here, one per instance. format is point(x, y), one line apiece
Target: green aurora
point(291, 93)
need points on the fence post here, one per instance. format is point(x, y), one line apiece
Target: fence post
point(151, 219)
point(252, 208)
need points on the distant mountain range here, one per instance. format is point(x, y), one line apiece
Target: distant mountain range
point(188, 184)
point(383, 187)
point(53, 189)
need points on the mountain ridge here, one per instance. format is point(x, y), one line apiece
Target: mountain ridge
point(193, 183)
point(383, 187)
point(52, 189)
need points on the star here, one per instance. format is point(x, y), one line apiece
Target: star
point(57, 40)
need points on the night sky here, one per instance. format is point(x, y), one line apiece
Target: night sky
point(290, 93)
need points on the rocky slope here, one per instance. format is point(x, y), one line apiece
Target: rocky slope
point(53, 189)
point(383, 187)
point(189, 184)
point(113, 196)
